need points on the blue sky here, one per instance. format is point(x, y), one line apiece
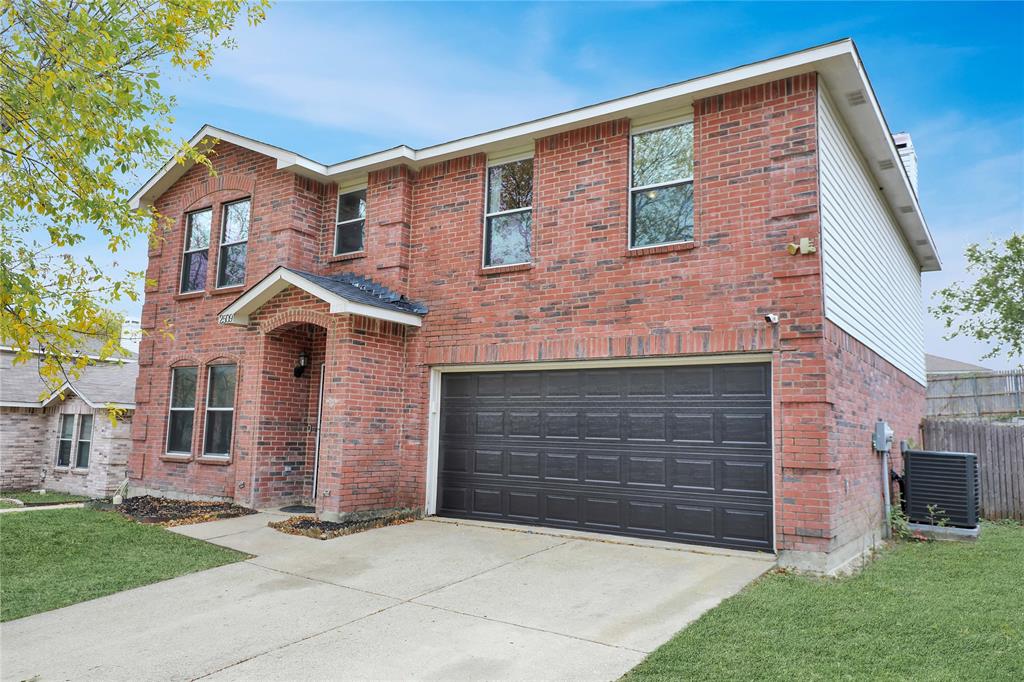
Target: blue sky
point(333, 81)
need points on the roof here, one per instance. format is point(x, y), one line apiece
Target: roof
point(936, 364)
point(100, 384)
point(346, 293)
point(838, 65)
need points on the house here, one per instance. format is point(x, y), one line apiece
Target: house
point(64, 439)
point(674, 315)
point(936, 365)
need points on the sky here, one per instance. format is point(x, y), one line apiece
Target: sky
point(335, 81)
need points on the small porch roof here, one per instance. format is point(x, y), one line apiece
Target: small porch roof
point(345, 293)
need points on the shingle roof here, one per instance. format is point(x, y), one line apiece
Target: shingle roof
point(360, 289)
point(99, 384)
point(936, 364)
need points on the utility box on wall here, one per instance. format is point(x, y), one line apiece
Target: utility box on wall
point(942, 488)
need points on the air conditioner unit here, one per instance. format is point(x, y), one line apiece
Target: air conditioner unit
point(942, 488)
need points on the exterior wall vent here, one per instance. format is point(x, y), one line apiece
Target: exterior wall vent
point(855, 98)
point(886, 164)
point(906, 209)
point(942, 488)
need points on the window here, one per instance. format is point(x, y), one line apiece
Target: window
point(197, 245)
point(234, 238)
point(183, 410)
point(661, 187)
point(348, 233)
point(507, 219)
point(64, 439)
point(220, 410)
point(84, 441)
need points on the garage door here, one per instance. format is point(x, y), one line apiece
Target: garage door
point(676, 453)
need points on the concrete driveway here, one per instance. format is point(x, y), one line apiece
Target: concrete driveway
point(426, 600)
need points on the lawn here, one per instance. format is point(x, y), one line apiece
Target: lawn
point(29, 497)
point(53, 558)
point(930, 611)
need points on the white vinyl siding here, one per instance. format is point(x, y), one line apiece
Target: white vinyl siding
point(872, 283)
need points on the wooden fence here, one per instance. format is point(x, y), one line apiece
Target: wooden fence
point(980, 394)
point(1000, 451)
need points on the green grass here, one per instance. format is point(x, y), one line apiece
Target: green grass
point(931, 611)
point(53, 558)
point(47, 497)
point(8, 505)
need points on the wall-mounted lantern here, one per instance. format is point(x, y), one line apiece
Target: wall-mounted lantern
point(303, 362)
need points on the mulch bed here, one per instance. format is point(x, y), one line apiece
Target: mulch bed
point(167, 512)
point(312, 527)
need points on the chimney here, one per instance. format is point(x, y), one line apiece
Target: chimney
point(905, 146)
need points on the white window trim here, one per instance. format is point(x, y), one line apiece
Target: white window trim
point(171, 409)
point(209, 409)
point(186, 251)
point(79, 439)
point(640, 130)
point(61, 439)
point(337, 224)
point(487, 193)
point(223, 244)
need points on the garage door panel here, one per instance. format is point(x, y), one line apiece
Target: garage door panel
point(748, 477)
point(675, 452)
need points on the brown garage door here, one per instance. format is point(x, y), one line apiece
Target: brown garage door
point(677, 453)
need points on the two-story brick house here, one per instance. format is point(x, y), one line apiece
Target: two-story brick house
point(590, 321)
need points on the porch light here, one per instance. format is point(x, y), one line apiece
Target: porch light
point(301, 367)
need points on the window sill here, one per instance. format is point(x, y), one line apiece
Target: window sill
point(236, 289)
point(176, 458)
point(61, 470)
point(342, 257)
point(80, 472)
point(215, 461)
point(502, 269)
point(662, 248)
point(189, 296)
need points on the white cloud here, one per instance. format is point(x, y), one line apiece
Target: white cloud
point(389, 79)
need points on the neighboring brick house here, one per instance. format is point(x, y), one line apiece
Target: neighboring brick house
point(589, 321)
point(64, 439)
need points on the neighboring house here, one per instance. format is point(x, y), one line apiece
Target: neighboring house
point(64, 439)
point(589, 321)
point(936, 365)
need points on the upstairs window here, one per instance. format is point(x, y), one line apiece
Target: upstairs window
point(220, 410)
point(234, 239)
point(183, 410)
point(348, 231)
point(84, 441)
point(661, 187)
point(65, 439)
point(509, 213)
point(197, 251)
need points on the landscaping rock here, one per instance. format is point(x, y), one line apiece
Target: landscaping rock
point(352, 522)
point(168, 512)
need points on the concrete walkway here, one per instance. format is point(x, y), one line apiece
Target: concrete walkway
point(69, 505)
point(426, 600)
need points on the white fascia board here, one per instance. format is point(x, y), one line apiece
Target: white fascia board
point(280, 279)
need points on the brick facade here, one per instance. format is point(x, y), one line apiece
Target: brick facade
point(585, 295)
point(29, 450)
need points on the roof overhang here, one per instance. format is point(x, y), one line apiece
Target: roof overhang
point(838, 64)
point(281, 278)
point(66, 387)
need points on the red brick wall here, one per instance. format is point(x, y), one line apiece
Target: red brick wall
point(863, 388)
point(584, 296)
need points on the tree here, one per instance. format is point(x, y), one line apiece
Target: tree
point(992, 308)
point(81, 111)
